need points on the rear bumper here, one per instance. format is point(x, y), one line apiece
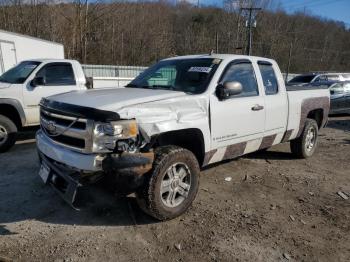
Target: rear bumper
point(82, 162)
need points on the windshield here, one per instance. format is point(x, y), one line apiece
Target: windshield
point(19, 73)
point(186, 75)
point(302, 79)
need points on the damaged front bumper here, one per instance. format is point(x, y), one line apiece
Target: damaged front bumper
point(68, 171)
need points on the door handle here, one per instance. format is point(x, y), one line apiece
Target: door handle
point(257, 108)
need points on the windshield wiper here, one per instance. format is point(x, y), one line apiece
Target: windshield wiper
point(131, 85)
point(165, 87)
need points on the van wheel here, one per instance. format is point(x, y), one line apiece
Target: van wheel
point(8, 133)
point(305, 145)
point(172, 184)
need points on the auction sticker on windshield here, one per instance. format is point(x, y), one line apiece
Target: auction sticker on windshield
point(200, 69)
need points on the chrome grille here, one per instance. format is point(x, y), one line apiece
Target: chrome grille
point(72, 132)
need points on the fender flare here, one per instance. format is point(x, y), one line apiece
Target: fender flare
point(17, 105)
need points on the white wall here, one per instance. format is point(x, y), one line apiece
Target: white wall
point(27, 47)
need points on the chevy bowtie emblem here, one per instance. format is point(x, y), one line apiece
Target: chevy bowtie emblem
point(51, 127)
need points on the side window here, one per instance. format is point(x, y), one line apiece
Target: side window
point(347, 88)
point(269, 78)
point(321, 78)
point(244, 73)
point(57, 74)
point(337, 89)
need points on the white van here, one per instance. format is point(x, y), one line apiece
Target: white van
point(15, 48)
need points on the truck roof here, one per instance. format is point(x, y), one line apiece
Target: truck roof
point(221, 56)
point(48, 60)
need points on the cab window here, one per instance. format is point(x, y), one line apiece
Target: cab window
point(57, 74)
point(269, 78)
point(242, 72)
point(321, 78)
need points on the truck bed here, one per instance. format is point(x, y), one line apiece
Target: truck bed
point(303, 101)
point(304, 87)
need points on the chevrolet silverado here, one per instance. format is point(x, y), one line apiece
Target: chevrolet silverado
point(181, 114)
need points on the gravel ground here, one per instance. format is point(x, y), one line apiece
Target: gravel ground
point(275, 208)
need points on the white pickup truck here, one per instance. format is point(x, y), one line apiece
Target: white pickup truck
point(22, 87)
point(181, 114)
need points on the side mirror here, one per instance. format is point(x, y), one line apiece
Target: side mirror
point(38, 81)
point(89, 83)
point(332, 92)
point(229, 89)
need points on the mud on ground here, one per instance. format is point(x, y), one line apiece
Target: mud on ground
point(275, 208)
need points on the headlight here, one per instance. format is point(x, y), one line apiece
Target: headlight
point(106, 134)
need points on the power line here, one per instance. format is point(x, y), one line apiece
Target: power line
point(325, 3)
point(298, 5)
point(313, 3)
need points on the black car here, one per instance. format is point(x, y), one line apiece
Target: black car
point(318, 78)
point(340, 96)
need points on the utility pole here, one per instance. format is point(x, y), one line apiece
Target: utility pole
point(249, 25)
point(289, 58)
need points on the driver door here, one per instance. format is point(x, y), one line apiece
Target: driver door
point(57, 78)
point(240, 118)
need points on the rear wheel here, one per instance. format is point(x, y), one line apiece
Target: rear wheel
point(172, 184)
point(305, 145)
point(8, 133)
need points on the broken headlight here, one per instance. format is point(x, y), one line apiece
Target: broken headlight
point(105, 135)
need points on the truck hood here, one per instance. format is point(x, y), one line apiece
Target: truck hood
point(4, 85)
point(169, 114)
point(114, 99)
point(156, 111)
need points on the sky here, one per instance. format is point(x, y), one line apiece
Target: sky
point(338, 10)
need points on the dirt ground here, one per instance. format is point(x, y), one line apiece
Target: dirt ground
point(275, 208)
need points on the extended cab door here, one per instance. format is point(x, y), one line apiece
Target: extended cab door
point(57, 78)
point(276, 101)
point(239, 118)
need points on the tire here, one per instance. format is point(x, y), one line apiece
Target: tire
point(183, 186)
point(305, 145)
point(8, 133)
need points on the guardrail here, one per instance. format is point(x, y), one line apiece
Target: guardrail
point(109, 82)
point(112, 71)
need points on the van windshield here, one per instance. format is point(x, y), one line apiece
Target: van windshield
point(19, 73)
point(186, 75)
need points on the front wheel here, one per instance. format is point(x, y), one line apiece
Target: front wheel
point(172, 184)
point(8, 133)
point(305, 145)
